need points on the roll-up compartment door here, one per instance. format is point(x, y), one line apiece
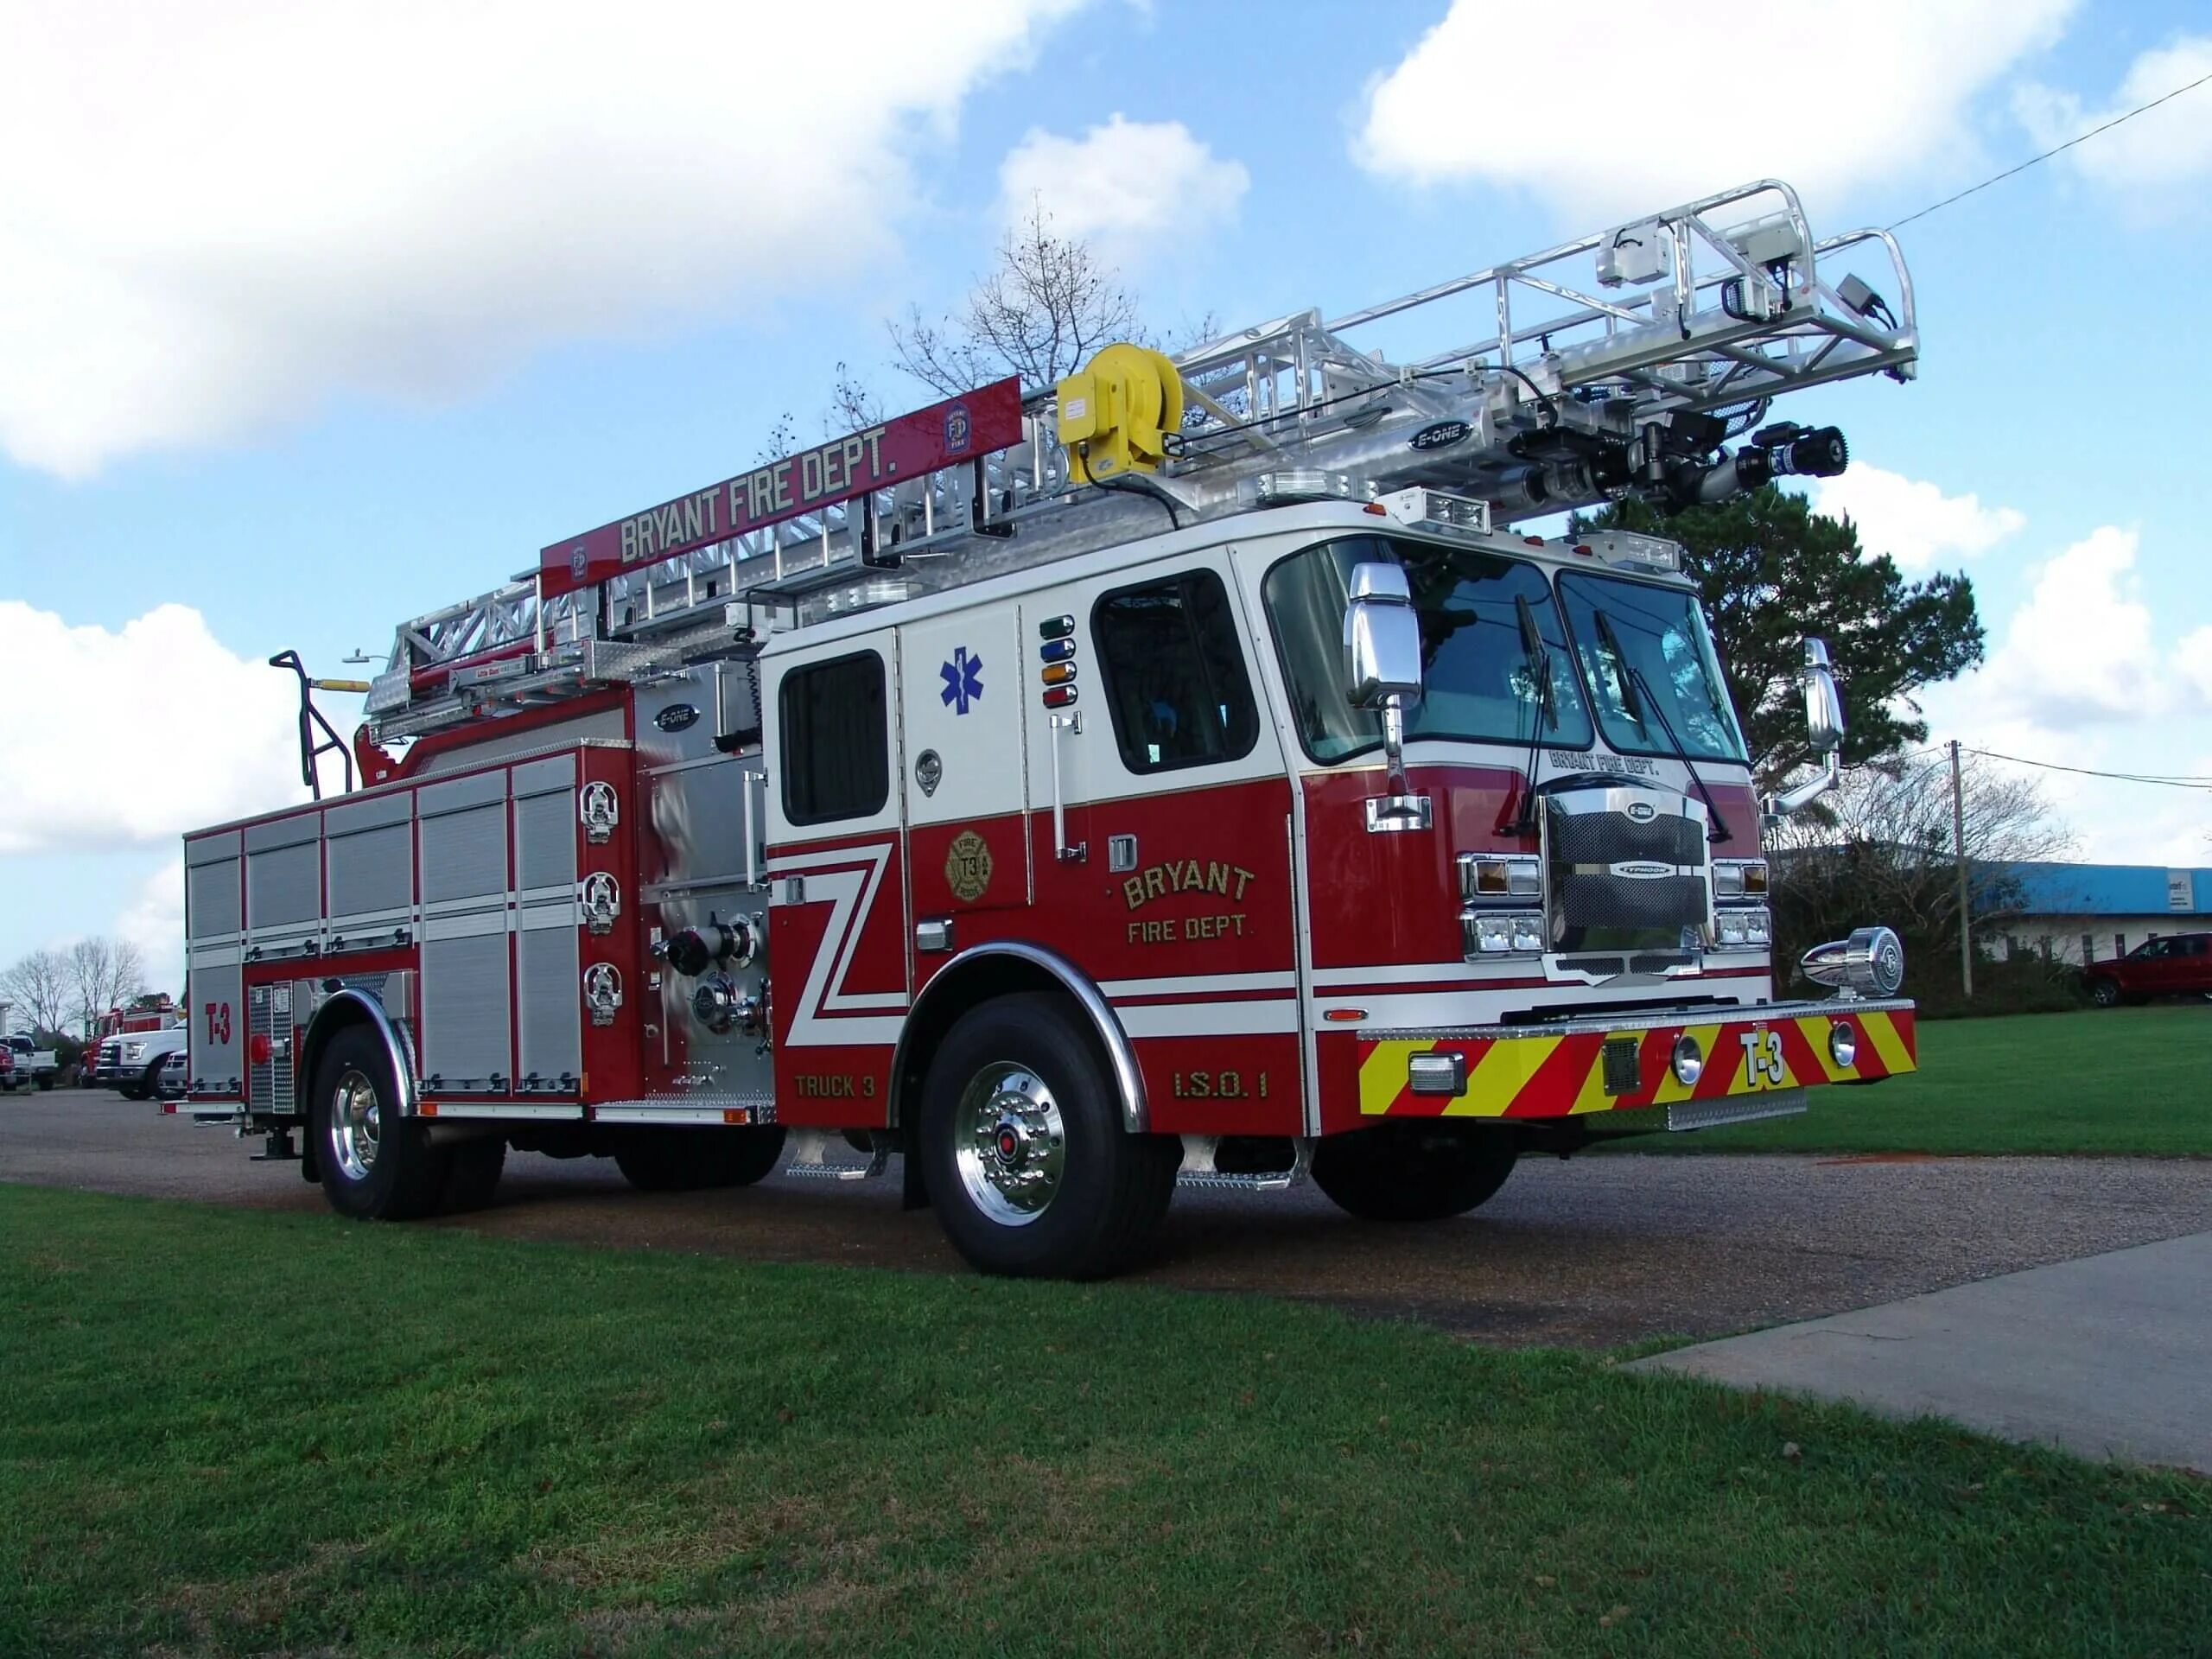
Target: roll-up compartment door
point(213, 897)
point(466, 1025)
point(283, 882)
point(369, 858)
point(548, 1000)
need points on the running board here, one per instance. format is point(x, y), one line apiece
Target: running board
point(1199, 1171)
point(811, 1155)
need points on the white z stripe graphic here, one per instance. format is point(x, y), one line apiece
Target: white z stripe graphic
point(851, 893)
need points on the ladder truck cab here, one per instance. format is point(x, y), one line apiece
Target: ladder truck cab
point(1179, 775)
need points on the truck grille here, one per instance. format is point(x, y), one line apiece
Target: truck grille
point(1627, 868)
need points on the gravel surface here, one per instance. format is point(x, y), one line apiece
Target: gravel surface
point(1589, 1253)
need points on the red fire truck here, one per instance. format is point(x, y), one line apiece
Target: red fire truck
point(1179, 775)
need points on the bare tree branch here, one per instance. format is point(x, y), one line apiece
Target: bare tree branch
point(1048, 303)
point(39, 987)
point(103, 974)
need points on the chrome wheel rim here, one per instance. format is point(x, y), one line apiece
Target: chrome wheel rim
point(356, 1121)
point(1011, 1145)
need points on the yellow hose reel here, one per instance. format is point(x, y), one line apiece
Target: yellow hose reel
point(1116, 412)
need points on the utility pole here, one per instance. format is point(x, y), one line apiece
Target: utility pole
point(1958, 844)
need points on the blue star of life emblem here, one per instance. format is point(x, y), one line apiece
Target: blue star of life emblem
point(963, 680)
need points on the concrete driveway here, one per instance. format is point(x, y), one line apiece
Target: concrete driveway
point(2110, 1356)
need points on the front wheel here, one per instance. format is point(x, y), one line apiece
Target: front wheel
point(2105, 992)
point(376, 1165)
point(1408, 1171)
point(1028, 1164)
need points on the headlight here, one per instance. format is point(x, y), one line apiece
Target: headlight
point(1843, 1044)
point(1745, 926)
point(1502, 933)
point(134, 1051)
point(1743, 879)
point(1499, 875)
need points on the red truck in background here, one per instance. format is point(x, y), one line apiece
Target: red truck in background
point(2177, 964)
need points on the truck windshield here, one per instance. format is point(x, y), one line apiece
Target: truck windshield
point(1642, 645)
point(1479, 680)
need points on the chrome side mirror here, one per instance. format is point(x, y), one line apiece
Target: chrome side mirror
point(1823, 702)
point(1382, 671)
point(1382, 638)
point(1824, 728)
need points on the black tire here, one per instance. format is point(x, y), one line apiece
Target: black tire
point(1095, 1209)
point(381, 1167)
point(693, 1160)
point(472, 1169)
point(1413, 1172)
point(46, 1082)
point(130, 1090)
point(2105, 992)
point(150, 1085)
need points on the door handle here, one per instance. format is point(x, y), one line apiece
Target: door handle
point(1071, 722)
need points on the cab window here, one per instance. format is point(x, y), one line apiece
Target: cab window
point(836, 762)
point(1173, 673)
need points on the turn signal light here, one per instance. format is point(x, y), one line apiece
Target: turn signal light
point(1058, 673)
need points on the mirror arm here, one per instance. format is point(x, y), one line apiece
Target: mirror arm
point(1797, 800)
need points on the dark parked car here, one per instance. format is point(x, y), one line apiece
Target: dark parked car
point(2175, 964)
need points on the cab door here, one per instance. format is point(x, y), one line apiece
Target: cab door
point(1168, 874)
point(966, 791)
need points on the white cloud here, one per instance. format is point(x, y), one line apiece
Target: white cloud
point(1127, 185)
point(2152, 154)
point(154, 921)
point(1913, 522)
point(2193, 662)
point(1640, 110)
point(2079, 651)
point(128, 738)
point(220, 215)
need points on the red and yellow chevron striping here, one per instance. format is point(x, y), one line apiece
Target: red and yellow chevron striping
point(1546, 1074)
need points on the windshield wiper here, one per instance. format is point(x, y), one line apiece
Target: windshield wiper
point(1633, 684)
point(1540, 663)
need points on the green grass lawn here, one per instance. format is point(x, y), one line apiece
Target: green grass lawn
point(238, 1432)
point(2105, 1080)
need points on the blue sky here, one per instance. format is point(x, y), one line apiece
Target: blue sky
point(426, 299)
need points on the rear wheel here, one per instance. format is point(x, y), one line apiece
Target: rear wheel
point(1408, 1171)
point(376, 1165)
point(692, 1160)
point(2105, 992)
point(1027, 1162)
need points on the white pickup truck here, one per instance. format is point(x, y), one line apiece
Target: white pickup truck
point(131, 1062)
point(25, 1066)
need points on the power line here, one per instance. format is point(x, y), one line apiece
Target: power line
point(2088, 771)
point(1999, 178)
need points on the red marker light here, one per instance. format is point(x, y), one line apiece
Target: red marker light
point(260, 1048)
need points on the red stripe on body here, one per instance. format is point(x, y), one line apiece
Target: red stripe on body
point(1558, 1079)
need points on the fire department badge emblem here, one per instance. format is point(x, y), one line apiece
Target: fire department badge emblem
point(967, 866)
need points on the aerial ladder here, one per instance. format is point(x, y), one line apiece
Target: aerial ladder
point(1640, 361)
